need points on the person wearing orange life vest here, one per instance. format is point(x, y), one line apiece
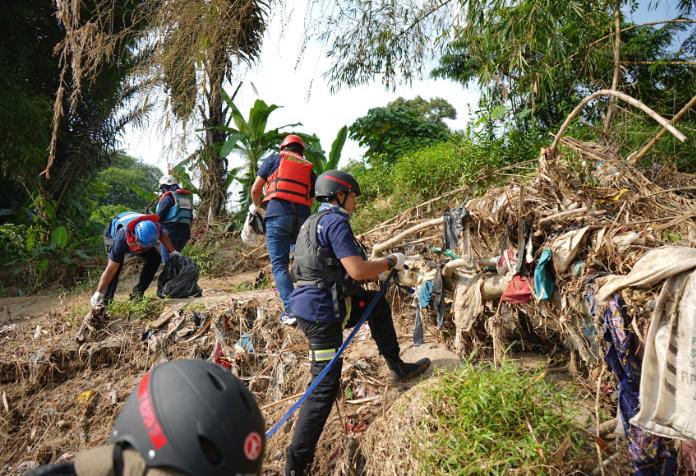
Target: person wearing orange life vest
point(131, 233)
point(287, 182)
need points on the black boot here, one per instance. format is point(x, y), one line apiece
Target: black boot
point(402, 372)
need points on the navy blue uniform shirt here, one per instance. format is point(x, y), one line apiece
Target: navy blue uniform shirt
point(333, 231)
point(277, 206)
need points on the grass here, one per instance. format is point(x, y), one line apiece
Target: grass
point(488, 421)
point(142, 309)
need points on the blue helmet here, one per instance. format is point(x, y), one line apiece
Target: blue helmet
point(147, 233)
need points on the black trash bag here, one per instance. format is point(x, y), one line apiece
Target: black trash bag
point(179, 278)
point(454, 226)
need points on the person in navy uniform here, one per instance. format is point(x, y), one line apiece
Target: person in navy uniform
point(131, 233)
point(287, 182)
point(329, 263)
point(175, 211)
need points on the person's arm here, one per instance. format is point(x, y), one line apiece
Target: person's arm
point(256, 190)
point(108, 274)
point(361, 270)
point(164, 239)
point(163, 207)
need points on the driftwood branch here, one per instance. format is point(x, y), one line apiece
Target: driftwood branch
point(624, 97)
point(568, 213)
point(617, 64)
point(636, 156)
point(379, 248)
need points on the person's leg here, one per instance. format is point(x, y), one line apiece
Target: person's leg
point(382, 329)
point(324, 340)
point(111, 288)
point(278, 237)
point(147, 273)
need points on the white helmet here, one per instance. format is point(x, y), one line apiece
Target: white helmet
point(168, 180)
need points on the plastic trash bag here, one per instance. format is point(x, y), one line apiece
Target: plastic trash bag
point(253, 230)
point(179, 278)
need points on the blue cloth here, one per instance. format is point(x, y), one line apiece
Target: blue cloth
point(276, 206)
point(649, 454)
point(425, 293)
point(543, 279)
point(163, 207)
point(279, 231)
point(333, 231)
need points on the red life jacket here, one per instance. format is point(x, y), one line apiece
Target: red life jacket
point(291, 181)
point(131, 240)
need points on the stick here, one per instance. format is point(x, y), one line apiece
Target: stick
point(617, 63)
point(624, 97)
point(380, 247)
point(567, 213)
point(283, 400)
point(636, 156)
point(606, 462)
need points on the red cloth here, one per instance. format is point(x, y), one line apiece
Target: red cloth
point(517, 291)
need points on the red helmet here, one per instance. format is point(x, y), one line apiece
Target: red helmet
point(292, 139)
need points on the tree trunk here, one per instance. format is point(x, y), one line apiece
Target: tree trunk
point(214, 167)
point(617, 64)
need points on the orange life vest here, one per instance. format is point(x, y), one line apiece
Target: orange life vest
point(291, 181)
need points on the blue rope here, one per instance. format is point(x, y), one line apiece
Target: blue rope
point(320, 377)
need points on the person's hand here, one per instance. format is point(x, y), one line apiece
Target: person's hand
point(174, 253)
point(96, 300)
point(396, 261)
point(254, 210)
point(399, 260)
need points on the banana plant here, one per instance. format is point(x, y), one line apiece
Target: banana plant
point(315, 154)
point(251, 139)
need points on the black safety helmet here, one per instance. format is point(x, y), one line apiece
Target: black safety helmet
point(195, 417)
point(333, 181)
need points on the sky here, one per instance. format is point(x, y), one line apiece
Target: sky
point(297, 85)
point(303, 93)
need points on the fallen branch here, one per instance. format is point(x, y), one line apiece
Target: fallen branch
point(624, 97)
point(636, 156)
point(282, 400)
point(569, 213)
point(381, 247)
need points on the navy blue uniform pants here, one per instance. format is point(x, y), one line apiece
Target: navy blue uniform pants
point(314, 412)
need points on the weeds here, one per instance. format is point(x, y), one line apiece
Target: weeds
point(146, 308)
point(492, 421)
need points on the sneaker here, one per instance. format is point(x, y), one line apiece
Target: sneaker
point(287, 320)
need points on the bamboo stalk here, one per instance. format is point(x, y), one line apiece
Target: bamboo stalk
point(636, 156)
point(617, 64)
point(380, 247)
point(624, 97)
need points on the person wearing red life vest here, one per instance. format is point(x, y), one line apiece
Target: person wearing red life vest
point(131, 233)
point(286, 181)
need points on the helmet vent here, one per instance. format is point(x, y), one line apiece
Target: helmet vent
point(212, 454)
point(216, 382)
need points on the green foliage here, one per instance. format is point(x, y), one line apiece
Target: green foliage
point(149, 307)
point(401, 126)
point(316, 155)
point(485, 420)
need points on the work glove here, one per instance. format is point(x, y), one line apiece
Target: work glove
point(254, 210)
point(399, 259)
point(174, 253)
point(96, 300)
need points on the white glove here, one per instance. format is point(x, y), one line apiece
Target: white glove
point(174, 253)
point(97, 300)
point(400, 260)
point(254, 210)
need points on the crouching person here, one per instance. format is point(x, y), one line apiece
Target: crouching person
point(185, 417)
point(130, 233)
point(328, 265)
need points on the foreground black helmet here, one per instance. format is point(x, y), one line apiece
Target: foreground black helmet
point(195, 417)
point(333, 181)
